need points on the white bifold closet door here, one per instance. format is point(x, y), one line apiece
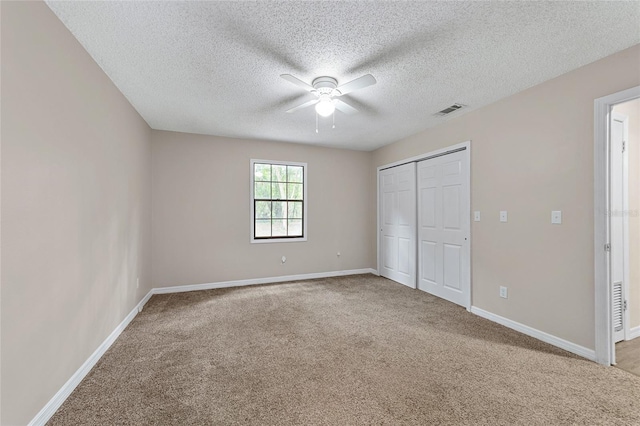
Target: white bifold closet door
point(397, 215)
point(443, 227)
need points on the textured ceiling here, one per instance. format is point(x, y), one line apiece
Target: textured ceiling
point(214, 67)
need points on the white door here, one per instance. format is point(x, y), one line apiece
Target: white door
point(619, 223)
point(443, 227)
point(398, 224)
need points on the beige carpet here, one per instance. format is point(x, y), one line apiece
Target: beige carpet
point(341, 351)
point(628, 356)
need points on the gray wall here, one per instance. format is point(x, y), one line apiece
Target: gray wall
point(75, 208)
point(201, 210)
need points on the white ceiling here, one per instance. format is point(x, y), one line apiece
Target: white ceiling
point(214, 67)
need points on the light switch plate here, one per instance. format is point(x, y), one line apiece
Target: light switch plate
point(476, 216)
point(503, 292)
point(556, 217)
point(503, 216)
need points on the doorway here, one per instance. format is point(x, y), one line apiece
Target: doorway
point(617, 228)
point(424, 220)
point(625, 234)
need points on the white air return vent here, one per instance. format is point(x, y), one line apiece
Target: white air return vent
point(450, 109)
point(618, 308)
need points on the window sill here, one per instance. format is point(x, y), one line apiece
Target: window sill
point(278, 240)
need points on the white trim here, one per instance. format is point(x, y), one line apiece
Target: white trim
point(467, 146)
point(378, 229)
point(540, 335)
point(634, 332)
point(605, 350)
point(625, 208)
point(58, 399)
point(255, 281)
point(305, 210)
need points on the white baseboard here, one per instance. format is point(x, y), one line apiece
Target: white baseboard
point(255, 281)
point(590, 354)
point(54, 403)
point(52, 406)
point(634, 332)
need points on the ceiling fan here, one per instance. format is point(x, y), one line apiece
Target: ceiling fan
point(327, 93)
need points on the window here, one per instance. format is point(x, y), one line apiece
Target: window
point(279, 198)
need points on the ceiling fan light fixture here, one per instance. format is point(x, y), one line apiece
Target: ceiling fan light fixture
point(325, 107)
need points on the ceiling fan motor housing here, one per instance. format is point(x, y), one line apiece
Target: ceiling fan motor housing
point(326, 86)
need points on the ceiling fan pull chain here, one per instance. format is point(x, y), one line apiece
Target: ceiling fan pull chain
point(334, 120)
point(316, 122)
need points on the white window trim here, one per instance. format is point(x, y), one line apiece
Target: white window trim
point(305, 215)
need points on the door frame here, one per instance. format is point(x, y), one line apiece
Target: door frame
point(604, 347)
point(442, 151)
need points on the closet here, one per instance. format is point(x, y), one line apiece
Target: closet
point(424, 223)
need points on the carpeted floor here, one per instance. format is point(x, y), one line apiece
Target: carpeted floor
point(340, 351)
point(628, 356)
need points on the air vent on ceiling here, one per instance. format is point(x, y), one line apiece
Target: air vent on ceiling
point(450, 109)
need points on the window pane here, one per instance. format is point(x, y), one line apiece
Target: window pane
point(294, 174)
point(279, 227)
point(263, 191)
point(279, 191)
point(278, 173)
point(295, 210)
point(263, 209)
point(294, 191)
point(295, 227)
point(262, 172)
point(279, 210)
point(278, 194)
point(263, 228)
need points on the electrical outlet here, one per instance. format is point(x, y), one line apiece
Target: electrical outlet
point(503, 216)
point(476, 216)
point(556, 217)
point(284, 259)
point(503, 292)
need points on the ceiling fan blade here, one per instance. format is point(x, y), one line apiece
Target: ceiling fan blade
point(344, 107)
point(297, 82)
point(304, 105)
point(358, 83)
